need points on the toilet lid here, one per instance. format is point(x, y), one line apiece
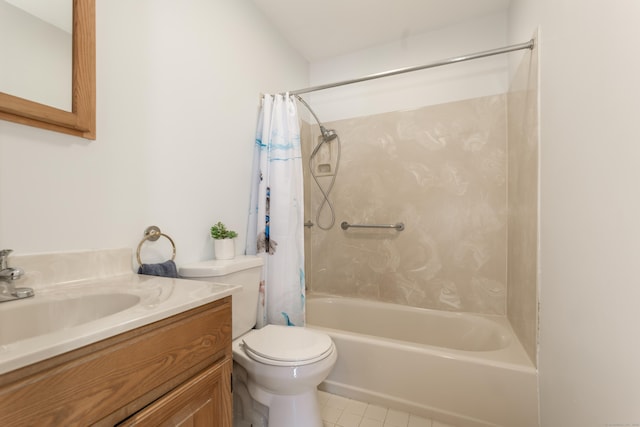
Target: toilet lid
point(287, 345)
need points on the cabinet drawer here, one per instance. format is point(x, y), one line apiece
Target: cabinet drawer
point(119, 375)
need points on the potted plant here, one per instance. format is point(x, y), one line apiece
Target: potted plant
point(223, 241)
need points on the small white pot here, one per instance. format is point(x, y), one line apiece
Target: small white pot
point(224, 248)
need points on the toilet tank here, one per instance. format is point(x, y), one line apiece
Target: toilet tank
point(243, 270)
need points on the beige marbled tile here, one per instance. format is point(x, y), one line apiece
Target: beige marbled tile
point(442, 171)
point(522, 299)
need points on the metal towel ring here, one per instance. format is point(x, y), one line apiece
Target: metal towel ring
point(153, 233)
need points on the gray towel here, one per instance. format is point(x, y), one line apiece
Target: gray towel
point(164, 269)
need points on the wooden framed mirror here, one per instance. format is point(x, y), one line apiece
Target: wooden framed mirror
point(81, 120)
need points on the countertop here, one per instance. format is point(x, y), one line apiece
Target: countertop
point(159, 298)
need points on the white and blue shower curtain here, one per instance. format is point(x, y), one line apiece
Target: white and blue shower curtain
point(276, 213)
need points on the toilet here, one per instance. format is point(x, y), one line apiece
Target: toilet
point(279, 366)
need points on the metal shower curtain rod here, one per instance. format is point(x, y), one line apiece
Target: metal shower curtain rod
point(528, 45)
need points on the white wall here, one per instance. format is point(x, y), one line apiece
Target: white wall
point(488, 76)
point(178, 85)
point(590, 208)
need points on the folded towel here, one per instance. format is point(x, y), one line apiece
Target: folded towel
point(164, 269)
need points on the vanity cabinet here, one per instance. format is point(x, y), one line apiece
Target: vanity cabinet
point(176, 371)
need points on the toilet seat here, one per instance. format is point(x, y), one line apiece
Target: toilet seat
point(279, 345)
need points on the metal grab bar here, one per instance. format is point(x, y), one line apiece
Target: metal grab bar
point(398, 226)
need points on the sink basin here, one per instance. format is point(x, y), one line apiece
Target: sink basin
point(26, 319)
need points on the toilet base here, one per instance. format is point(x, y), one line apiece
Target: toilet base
point(289, 410)
point(247, 412)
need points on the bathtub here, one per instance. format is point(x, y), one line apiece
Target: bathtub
point(462, 369)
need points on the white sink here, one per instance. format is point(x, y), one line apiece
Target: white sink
point(66, 316)
point(30, 318)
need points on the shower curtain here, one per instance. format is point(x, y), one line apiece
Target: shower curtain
point(275, 230)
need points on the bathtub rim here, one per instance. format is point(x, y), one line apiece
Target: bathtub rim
point(513, 356)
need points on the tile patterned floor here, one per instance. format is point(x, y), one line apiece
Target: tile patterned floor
point(338, 411)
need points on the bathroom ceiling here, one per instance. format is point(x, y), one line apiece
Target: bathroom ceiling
point(321, 29)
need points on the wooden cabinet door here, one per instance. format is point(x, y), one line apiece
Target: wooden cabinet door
point(202, 401)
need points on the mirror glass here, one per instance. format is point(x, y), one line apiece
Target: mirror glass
point(80, 119)
point(36, 47)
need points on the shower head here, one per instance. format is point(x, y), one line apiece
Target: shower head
point(328, 134)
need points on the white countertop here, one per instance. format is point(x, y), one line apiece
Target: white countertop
point(160, 298)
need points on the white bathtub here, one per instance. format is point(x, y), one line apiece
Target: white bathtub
point(466, 370)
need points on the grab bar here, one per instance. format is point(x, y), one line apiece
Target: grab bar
point(398, 226)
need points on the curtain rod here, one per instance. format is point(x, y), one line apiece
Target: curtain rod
point(528, 45)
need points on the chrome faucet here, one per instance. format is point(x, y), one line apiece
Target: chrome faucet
point(8, 276)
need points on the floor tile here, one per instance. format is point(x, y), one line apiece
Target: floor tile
point(368, 422)
point(330, 414)
point(349, 420)
point(396, 419)
point(323, 398)
point(416, 421)
point(338, 411)
point(375, 412)
point(338, 402)
point(355, 407)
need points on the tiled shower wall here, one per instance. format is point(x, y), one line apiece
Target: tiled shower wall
point(441, 170)
point(522, 300)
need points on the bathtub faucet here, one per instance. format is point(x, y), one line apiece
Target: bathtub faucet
point(8, 275)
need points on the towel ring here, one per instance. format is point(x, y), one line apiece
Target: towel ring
point(153, 233)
